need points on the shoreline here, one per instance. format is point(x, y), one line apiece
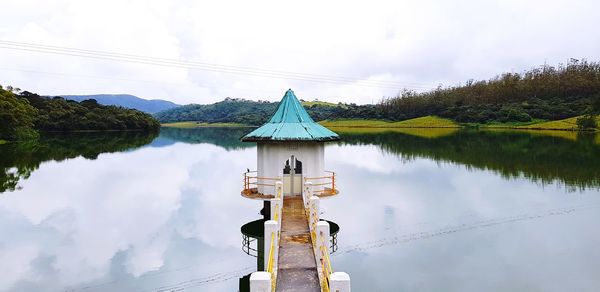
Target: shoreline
point(194, 125)
point(381, 126)
point(433, 122)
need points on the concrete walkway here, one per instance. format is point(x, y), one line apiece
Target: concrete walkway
point(297, 267)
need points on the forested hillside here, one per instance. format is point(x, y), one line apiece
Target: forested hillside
point(23, 114)
point(547, 92)
point(251, 112)
point(544, 93)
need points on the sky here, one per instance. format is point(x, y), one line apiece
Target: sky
point(337, 51)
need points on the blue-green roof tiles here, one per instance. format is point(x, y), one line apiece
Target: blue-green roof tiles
point(291, 122)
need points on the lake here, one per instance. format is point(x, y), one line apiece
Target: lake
point(419, 210)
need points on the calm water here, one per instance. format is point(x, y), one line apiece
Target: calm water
point(418, 211)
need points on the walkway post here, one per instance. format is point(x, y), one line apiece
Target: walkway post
point(314, 212)
point(278, 200)
point(279, 189)
point(308, 193)
point(271, 227)
point(275, 202)
point(322, 239)
point(339, 282)
point(260, 282)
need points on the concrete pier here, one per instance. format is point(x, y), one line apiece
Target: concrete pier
point(297, 266)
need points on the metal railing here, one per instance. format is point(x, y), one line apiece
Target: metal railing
point(252, 181)
point(247, 248)
point(327, 181)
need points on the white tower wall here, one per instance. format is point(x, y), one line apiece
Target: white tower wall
point(271, 158)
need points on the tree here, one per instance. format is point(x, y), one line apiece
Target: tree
point(17, 117)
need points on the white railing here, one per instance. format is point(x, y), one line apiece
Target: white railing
point(265, 281)
point(272, 235)
point(320, 236)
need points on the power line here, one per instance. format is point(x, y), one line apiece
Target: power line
point(205, 66)
point(87, 76)
point(214, 66)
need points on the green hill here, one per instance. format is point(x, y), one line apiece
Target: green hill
point(248, 112)
point(512, 100)
point(24, 114)
point(542, 93)
point(422, 122)
point(564, 124)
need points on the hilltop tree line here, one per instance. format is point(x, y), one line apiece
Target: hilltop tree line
point(546, 92)
point(24, 114)
point(243, 111)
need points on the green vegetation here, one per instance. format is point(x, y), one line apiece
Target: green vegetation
point(317, 103)
point(255, 113)
point(3, 142)
point(511, 100)
point(230, 110)
point(24, 114)
point(564, 124)
point(422, 122)
point(505, 125)
point(17, 116)
point(546, 93)
point(587, 122)
point(192, 124)
point(20, 159)
point(419, 132)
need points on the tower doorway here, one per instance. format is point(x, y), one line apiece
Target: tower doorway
point(292, 177)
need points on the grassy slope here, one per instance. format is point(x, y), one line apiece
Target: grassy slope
point(420, 132)
point(311, 103)
point(508, 124)
point(422, 122)
point(566, 124)
point(376, 126)
point(188, 125)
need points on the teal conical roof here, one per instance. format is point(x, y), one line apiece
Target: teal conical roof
point(291, 122)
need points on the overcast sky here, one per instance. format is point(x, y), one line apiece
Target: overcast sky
point(416, 44)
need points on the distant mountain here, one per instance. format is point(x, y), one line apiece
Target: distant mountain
point(128, 101)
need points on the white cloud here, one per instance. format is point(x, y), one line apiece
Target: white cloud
point(416, 42)
point(83, 222)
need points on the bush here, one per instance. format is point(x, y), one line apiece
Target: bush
point(513, 114)
point(587, 122)
point(519, 116)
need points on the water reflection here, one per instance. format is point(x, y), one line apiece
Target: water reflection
point(427, 212)
point(19, 160)
point(420, 225)
point(226, 137)
point(574, 161)
point(147, 219)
